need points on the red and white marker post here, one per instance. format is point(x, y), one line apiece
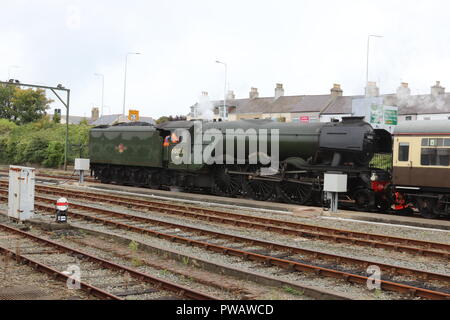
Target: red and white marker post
point(62, 206)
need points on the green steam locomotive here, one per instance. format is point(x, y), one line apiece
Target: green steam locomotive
point(259, 159)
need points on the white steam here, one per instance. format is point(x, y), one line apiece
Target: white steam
point(423, 102)
point(204, 108)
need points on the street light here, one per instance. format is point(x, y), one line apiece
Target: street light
point(103, 87)
point(368, 46)
point(125, 82)
point(224, 113)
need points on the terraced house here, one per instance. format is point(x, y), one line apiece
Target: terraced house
point(324, 108)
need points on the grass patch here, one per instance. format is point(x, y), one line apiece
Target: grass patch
point(293, 291)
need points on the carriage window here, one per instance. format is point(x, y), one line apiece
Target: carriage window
point(425, 142)
point(447, 142)
point(433, 142)
point(403, 151)
point(435, 157)
point(443, 157)
point(428, 157)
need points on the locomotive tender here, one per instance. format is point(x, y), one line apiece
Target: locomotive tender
point(140, 154)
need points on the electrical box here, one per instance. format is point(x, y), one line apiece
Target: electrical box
point(335, 182)
point(21, 193)
point(82, 164)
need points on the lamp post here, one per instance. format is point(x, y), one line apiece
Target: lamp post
point(368, 47)
point(103, 88)
point(125, 81)
point(224, 113)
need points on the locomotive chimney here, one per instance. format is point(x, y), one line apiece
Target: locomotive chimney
point(279, 91)
point(372, 90)
point(254, 93)
point(95, 114)
point(437, 89)
point(336, 91)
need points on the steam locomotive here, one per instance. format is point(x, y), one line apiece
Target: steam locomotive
point(140, 154)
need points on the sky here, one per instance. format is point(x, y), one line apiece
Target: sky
point(305, 45)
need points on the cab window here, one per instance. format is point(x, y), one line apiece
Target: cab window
point(403, 151)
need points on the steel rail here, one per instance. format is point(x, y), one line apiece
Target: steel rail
point(276, 225)
point(92, 290)
point(158, 283)
point(287, 264)
point(266, 224)
point(294, 250)
point(44, 175)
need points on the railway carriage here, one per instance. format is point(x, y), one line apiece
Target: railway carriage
point(421, 166)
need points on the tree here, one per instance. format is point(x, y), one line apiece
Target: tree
point(57, 118)
point(170, 118)
point(162, 120)
point(22, 106)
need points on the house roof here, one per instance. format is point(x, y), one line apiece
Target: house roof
point(110, 119)
point(106, 119)
point(290, 104)
point(72, 119)
point(326, 104)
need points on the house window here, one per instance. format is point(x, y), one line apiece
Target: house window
point(403, 151)
point(409, 118)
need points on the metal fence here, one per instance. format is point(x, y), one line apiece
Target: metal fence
point(382, 161)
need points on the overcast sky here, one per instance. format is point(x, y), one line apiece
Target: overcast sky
point(306, 45)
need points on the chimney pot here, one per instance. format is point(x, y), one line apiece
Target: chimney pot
point(254, 93)
point(279, 91)
point(372, 90)
point(95, 114)
point(231, 95)
point(403, 92)
point(437, 89)
point(336, 91)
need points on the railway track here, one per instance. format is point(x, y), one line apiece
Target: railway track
point(411, 246)
point(286, 257)
point(58, 177)
point(347, 204)
point(53, 258)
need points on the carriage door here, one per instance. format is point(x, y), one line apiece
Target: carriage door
point(402, 163)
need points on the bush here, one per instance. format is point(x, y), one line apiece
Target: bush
point(55, 155)
point(41, 143)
